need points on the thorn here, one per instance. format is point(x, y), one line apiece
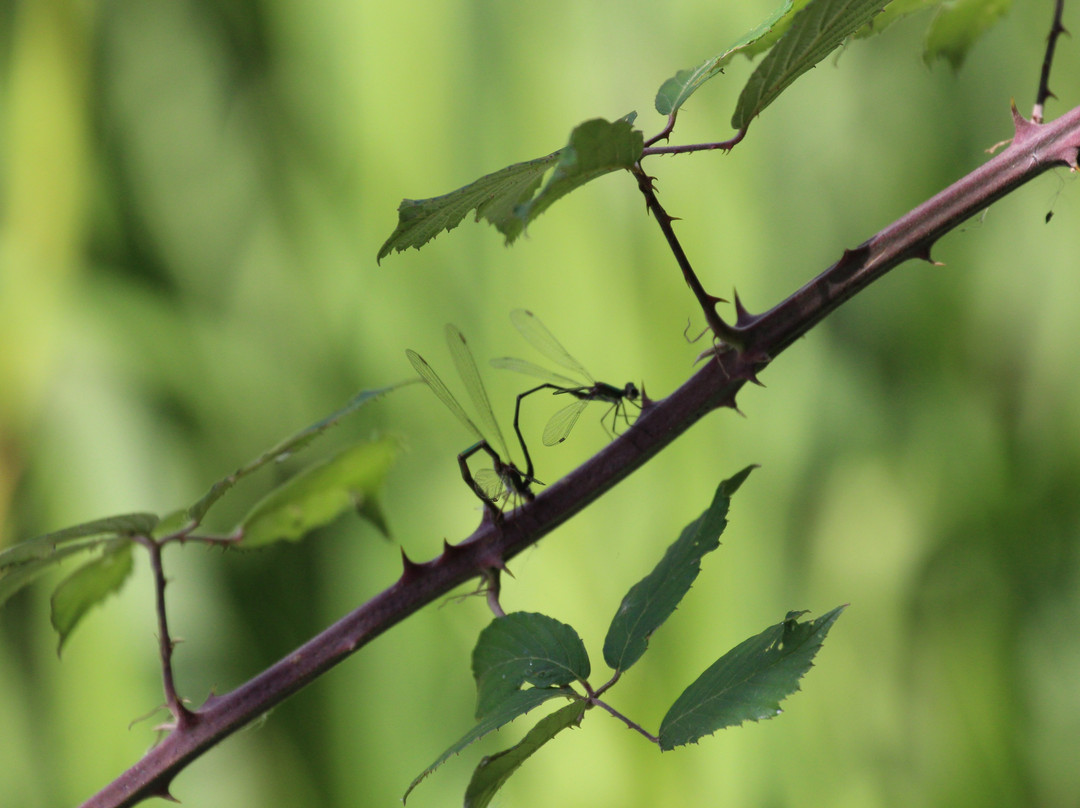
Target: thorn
point(1022, 126)
point(751, 377)
point(449, 549)
point(495, 562)
point(743, 318)
point(410, 569)
point(731, 405)
point(163, 792)
point(923, 254)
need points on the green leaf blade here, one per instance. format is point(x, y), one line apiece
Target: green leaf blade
point(748, 682)
point(957, 26)
point(286, 448)
point(815, 32)
point(525, 648)
point(15, 577)
point(517, 704)
point(596, 148)
point(674, 92)
point(652, 600)
point(495, 770)
point(352, 478)
point(494, 198)
point(89, 585)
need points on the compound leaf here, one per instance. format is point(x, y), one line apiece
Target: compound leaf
point(285, 449)
point(596, 147)
point(494, 197)
point(89, 585)
point(517, 704)
point(525, 648)
point(815, 31)
point(674, 92)
point(496, 769)
point(748, 682)
point(316, 496)
point(652, 600)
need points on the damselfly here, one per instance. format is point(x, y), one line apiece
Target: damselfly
point(504, 479)
point(560, 424)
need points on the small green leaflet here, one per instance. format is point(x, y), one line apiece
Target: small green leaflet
point(506, 199)
point(815, 31)
point(41, 547)
point(674, 92)
point(494, 197)
point(652, 600)
point(285, 448)
point(89, 585)
point(957, 26)
point(23, 563)
point(517, 704)
point(748, 682)
point(495, 770)
point(16, 576)
point(525, 648)
point(352, 478)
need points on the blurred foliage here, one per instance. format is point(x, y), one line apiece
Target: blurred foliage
point(192, 195)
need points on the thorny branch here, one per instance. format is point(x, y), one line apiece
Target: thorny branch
point(1034, 149)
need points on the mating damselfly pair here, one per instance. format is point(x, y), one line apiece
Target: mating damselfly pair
point(505, 480)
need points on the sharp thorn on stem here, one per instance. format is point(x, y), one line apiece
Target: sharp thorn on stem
point(410, 569)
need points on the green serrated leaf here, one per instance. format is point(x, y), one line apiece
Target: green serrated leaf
point(319, 494)
point(516, 705)
point(748, 682)
point(958, 25)
point(41, 547)
point(524, 648)
point(89, 585)
point(652, 600)
point(596, 148)
point(674, 92)
point(815, 31)
point(286, 448)
point(496, 769)
point(494, 197)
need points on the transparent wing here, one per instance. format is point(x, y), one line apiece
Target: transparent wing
point(490, 483)
point(560, 424)
point(532, 369)
point(537, 335)
point(431, 378)
point(466, 367)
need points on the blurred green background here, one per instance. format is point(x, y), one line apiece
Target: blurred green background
point(192, 195)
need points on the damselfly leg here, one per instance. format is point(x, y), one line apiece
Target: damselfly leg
point(504, 480)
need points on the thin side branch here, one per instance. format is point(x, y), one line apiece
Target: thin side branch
point(630, 724)
point(664, 220)
point(182, 717)
point(1056, 30)
point(723, 145)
